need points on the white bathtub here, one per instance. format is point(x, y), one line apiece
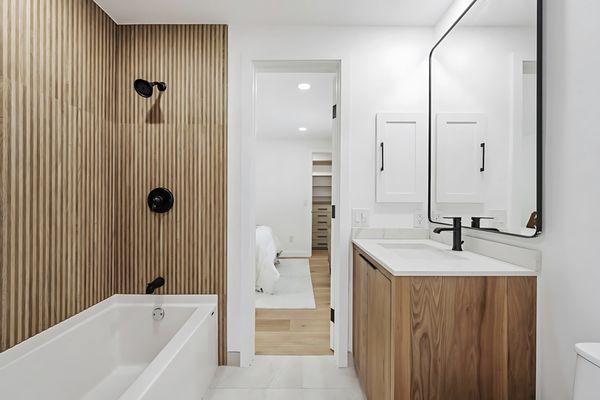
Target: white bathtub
point(116, 350)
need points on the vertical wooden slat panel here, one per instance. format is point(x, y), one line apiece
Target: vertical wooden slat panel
point(176, 139)
point(56, 133)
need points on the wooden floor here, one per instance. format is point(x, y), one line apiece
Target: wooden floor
point(299, 332)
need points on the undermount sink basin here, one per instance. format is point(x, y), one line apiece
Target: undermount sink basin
point(418, 251)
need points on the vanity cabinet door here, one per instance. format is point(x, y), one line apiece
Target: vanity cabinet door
point(401, 162)
point(379, 336)
point(359, 318)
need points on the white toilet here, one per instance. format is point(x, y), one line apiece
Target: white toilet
point(587, 372)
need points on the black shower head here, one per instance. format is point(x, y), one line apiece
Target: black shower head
point(145, 88)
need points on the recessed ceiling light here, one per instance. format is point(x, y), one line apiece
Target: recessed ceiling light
point(302, 129)
point(304, 86)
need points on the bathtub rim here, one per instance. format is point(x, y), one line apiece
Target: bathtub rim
point(48, 336)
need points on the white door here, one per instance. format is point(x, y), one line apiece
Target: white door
point(460, 155)
point(334, 231)
point(401, 157)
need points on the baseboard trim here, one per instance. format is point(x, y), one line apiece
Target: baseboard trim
point(233, 358)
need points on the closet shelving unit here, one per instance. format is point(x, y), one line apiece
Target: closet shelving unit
point(321, 199)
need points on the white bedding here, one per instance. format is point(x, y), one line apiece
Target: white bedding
point(267, 274)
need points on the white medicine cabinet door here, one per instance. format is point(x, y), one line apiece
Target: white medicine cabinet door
point(460, 150)
point(401, 158)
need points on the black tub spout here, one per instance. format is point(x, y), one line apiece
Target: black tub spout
point(155, 284)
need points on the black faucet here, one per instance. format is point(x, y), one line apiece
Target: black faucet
point(476, 223)
point(155, 284)
point(456, 232)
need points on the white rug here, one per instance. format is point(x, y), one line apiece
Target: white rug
point(294, 288)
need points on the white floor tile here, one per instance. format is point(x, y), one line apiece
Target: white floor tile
point(266, 372)
point(284, 394)
point(255, 394)
point(331, 394)
point(322, 373)
point(287, 378)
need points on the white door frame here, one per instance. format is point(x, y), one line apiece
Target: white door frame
point(341, 227)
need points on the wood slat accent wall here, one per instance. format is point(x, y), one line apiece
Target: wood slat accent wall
point(177, 140)
point(57, 164)
point(79, 151)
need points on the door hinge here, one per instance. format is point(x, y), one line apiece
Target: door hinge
point(334, 112)
point(333, 211)
point(332, 315)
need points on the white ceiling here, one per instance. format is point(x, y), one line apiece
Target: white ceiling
point(281, 108)
point(277, 12)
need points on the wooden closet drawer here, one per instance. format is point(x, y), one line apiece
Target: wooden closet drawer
point(321, 214)
point(321, 223)
point(318, 218)
point(322, 209)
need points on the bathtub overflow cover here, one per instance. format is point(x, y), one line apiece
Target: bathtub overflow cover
point(158, 314)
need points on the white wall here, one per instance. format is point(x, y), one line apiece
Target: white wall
point(388, 72)
point(570, 285)
point(284, 190)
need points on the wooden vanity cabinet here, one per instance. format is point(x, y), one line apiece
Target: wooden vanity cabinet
point(443, 337)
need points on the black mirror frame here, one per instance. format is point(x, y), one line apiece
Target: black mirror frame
point(539, 121)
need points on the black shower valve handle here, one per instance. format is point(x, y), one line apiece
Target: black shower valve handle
point(160, 200)
point(156, 200)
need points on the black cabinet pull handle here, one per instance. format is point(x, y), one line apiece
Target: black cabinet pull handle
point(382, 157)
point(482, 158)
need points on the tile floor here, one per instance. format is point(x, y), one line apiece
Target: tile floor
point(286, 378)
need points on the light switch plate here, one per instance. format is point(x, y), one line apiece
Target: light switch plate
point(360, 217)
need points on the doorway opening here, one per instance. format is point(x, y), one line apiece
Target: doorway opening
point(296, 165)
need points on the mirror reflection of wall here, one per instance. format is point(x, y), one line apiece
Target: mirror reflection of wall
point(484, 125)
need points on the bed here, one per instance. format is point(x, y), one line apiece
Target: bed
point(266, 259)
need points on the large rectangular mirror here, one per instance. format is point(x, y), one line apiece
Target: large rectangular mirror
point(485, 119)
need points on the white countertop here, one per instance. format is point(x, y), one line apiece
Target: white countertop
point(430, 258)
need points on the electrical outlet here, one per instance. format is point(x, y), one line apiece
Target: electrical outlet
point(360, 217)
point(291, 239)
point(420, 220)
